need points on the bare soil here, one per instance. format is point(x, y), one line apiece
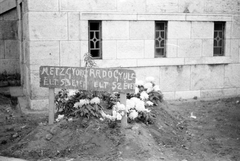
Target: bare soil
point(184, 130)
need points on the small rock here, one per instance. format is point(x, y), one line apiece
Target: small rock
point(237, 102)
point(15, 135)
point(195, 97)
point(49, 137)
point(53, 130)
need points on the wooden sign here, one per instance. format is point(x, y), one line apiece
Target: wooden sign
point(95, 79)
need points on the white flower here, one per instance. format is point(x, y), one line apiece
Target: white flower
point(149, 103)
point(121, 107)
point(135, 100)
point(71, 92)
point(95, 100)
point(133, 114)
point(148, 85)
point(149, 89)
point(150, 79)
point(140, 106)
point(119, 116)
point(59, 118)
point(87, 101)
point(136, 90)
point(156, 88)
point(139, 83)
point(144, 95)
point(130, 104)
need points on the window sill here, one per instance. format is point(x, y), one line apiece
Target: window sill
point(163, 61)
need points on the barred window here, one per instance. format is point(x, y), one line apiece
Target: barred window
point(160, 38)
point(219, 41)
point(95, 39)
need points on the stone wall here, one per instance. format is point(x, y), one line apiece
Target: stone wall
point(56, 33)
point(9, 46)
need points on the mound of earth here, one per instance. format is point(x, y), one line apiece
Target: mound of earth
point(95, 140)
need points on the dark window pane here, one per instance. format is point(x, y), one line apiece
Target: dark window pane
point(157, 34)
point(218, 26)
point(95, 53)
point(162, 34)
point(91, 45)
point(159, 52)
point(162, 43)
point(157, 44)
point(217, 51)
point(159, 26)
point(215, 42)
point(91, 35)
point(94, 26)
point(97, 44)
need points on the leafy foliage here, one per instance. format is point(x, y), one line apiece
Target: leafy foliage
point(89, 62)
point(155, 97)
point(146, 117)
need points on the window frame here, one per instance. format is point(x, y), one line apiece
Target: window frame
point(100, 38)
point(222, 47)
point(165, 39)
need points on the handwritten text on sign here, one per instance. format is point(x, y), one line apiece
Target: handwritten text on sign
point(96, 79)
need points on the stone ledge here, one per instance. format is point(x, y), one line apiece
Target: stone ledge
point(208, 60)
point(154, 17)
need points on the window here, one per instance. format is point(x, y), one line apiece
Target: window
point(219, 30)
point(95, 39)
point(160, 38)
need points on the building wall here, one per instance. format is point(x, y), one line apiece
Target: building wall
point(9, 46)
point(57, 34)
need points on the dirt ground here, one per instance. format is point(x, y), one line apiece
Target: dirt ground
point(184, 130)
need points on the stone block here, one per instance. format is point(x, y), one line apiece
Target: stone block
point(37, 92)
point(2, 50)
point(232, 76)
point(162, 6)
point(130, 49)
point(84, 30)
point(43, 5)
point(88, 5)
point(207, 47)
point(187, 94)
point(160, 62)
point(74, 25)
point(40, 104)
point(196, 6)
point(10, 15)
point(44, 52)
point(227, 6)
point(216, 93)
point(109, 49)
point(179, 29)
point(25, 21)
point(149, 49)
point(189, 48)
point(168, 95)
point(8, 30)
point(161, 17)
point(207, 77)
point(172, 48)
point(141, 30)
point(236, 27)
point(227, 51)
point(84, 49)
point(175, 78)
point(235, 50)
point(12, 49)
point(70, 53)
point(202, 30)
point(115, 63)
point(228, 30)
point(48, 26)
point(115, 30)
point(230, 92)
point(12, 66)
point(131, 6)
point(143, 72)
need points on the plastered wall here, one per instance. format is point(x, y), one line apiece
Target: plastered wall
point(57, 34)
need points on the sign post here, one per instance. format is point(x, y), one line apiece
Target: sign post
point(94, 79)
point(51, 106)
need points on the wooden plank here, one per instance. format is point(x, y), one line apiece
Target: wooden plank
point(7, 5)
point(51, 106)
point(123, 98)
